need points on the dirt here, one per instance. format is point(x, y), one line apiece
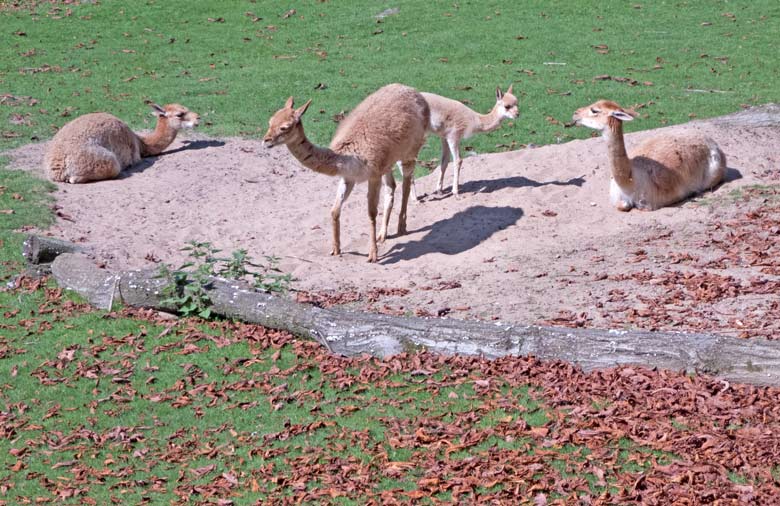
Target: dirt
point(532, 238)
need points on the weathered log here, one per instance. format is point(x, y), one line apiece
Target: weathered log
point(38, 249)
point(351, 333)
point(767, 115)
point(79, 273)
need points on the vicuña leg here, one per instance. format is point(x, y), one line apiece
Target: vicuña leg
point(414, 187)
point(455, 150)
point(388, 188)
point(618, 197)
point(344, 189)
point(408, 171)
point(374, 185)
point(445, 160)
point(102, 164)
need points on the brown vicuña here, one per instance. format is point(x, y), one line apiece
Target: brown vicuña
point(452, 121)
point(662, 170)
point(387, 126)
point(99, 145)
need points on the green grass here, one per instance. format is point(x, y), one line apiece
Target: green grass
point(24, 202)
point(113, 409)
point(220, 61)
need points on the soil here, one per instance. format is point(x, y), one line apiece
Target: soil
point(532, 237)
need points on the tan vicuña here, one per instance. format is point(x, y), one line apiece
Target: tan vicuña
point(662, 170)
point(387, 126)
point(99, 145)
point(452, 121)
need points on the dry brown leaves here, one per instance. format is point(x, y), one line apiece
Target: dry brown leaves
point(724, 280)
point(708, 428)
point(330, 299)
point(621, 436)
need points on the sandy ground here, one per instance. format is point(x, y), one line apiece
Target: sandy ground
point(531, 238)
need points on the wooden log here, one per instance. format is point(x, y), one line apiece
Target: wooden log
point(38, 249)
point(349, 333)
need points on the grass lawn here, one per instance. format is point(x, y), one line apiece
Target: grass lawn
point(236, 62)
point(125, 408)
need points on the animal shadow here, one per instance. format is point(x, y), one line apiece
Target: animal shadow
point(145, 163)
point(190, 145)
point(491, 185)
point(732, 174)
point(456, 234)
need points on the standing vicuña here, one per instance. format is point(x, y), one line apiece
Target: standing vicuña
point(662, 170)
point(389, 125)
point(453, 121)
point(99, 145)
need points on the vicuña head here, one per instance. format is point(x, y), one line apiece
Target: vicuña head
point(285, 125)
point(388, 126)
point(662, 170)
point(506, 103)
point(176, 115)
point(99, 145)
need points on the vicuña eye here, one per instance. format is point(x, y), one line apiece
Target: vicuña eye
point(594, 111)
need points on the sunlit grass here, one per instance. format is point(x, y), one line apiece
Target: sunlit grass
point(154, 411)
point(236, 63)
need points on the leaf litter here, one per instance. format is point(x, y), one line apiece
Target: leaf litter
point(192, 412)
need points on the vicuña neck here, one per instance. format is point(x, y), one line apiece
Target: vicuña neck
point(322, 160)
point(156, 142)
point(618, 158)
point(490, 121)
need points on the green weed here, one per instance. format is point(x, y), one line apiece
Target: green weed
point(188, 286)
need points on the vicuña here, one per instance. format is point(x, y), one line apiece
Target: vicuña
point(453, 121)
point(387, 126)
point(99, 145)
point(662, 170)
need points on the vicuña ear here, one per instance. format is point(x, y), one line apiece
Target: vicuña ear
point(509, 90)
point(159, 111)
point(289, 103)
point(621, 115)
point(302, 109)
point(499, 93)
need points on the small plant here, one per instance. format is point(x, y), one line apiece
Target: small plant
point(269, 277)
point(188, 286)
